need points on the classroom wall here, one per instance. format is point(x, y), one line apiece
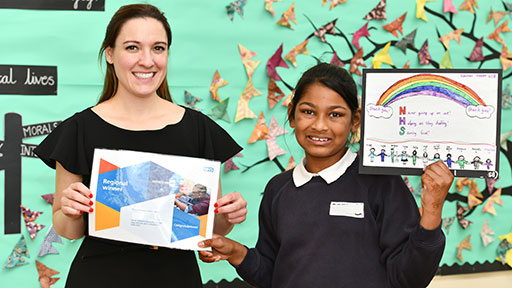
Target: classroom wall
point(66, 43)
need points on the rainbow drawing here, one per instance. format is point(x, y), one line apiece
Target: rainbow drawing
point(433, 85)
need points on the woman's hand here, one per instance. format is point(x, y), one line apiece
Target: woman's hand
point(436, 181)
point(222, 249)
point(233, 206)
point(75, 199)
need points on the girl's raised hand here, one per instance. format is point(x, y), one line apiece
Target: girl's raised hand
point(233, 206)
point(222, 249)
point(76, 199)
point(436, 181)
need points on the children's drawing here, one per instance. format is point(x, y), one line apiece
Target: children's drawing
point(431, 112)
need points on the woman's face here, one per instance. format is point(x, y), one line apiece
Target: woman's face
point(323, 122)
point(139, 57)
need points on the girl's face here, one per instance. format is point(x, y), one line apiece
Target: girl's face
point(139, 57)
point(323, 122)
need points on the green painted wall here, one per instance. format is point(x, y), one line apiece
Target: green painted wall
point(205, 40)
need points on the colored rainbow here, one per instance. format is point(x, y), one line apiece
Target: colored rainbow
point(429, 84)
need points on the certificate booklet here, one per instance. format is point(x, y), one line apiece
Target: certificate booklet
point(136, 198)
point(411, 118)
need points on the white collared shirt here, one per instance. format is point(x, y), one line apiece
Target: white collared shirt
point(330, 174)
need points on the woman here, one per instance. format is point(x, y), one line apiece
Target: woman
point(135, 112)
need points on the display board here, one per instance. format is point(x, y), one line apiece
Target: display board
point(238, 61)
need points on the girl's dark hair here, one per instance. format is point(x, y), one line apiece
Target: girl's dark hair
point(332, 77)
point(122, 15)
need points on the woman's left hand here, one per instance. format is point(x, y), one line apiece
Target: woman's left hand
point(233, 206)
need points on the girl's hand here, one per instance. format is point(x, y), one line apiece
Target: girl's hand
point(436, 181)
point(75, 200)
point(222, 249)
point(233, 206)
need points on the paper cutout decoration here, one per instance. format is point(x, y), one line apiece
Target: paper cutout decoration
point(288, 15)
point(503, 139)
point(191, 100)
point(274, 93)
point(49, 198)
point(220, 111)
point(494, 198)
point(382, 57)
point(260, 131)
point(396, 25)
point(357, 61)
point(506, 98)
point(474, 194)
point(47, 247)
point(448, 7)
point(242, 109)
point(504, 249)
point(503, 28)
point(299, 49)
point(250, 65)
point(18, 254)
point(274, 130)
point(455, 34)
point(356, 136)
point(446, 62)
point(447, 223)
point(269, 8)
point(477, 53)
point(45, 275)
point(490, 182)
point(408, 184)
point(496, 16)
point(424, 55)
point(217, 82)
point(485, 232)
point(274, 62)
point(236, 6)
point(291, 164)
point(288, 99)
point(378, 13)
point(335, 60)
point(420, 9)
point(230, 165)
point(465, 244)
point(362, 32)
point(273, 149)
point(468, 5)
point(407, 64)
point(407, 40)
point(461, 182)
point(29, 218)
point(504, 58)
point(334, 3)
point(328, 28)
point(464, 223)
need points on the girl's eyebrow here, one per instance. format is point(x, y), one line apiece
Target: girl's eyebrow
point(330, 107)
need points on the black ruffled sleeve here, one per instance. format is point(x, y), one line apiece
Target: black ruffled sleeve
point(65, 145)
point(214, 141)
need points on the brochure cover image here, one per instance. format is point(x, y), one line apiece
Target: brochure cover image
point(153, 199)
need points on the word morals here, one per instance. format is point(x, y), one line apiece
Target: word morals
point(83, 5)
point(28, 80)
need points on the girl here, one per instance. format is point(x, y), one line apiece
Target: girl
point(325, 225)
point(135, 112)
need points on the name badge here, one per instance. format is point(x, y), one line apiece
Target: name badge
point(348, 209)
